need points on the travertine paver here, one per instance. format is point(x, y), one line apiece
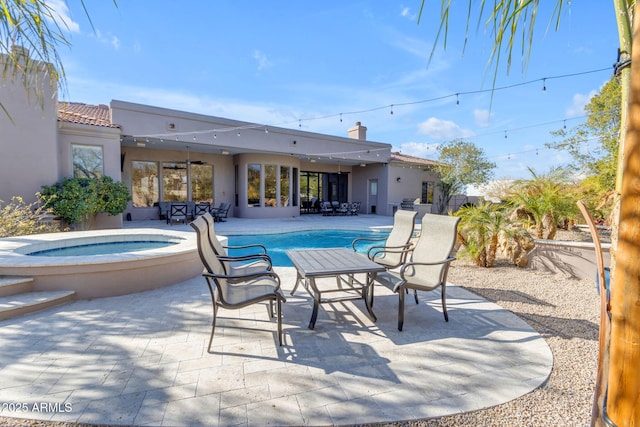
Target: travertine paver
point(141, 359)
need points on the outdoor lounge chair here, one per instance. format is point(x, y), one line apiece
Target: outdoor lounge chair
point(177, 212)
point(394, 248)
point(242, 264)
point(236, 291)
point(428, 266)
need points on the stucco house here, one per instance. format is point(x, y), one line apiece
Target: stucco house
point(169, 155)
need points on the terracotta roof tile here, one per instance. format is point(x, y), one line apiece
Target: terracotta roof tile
point(77, 112)
point(404, 158)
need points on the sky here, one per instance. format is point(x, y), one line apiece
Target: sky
point(322, 66)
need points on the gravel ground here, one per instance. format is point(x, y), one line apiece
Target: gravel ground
point(564, 311)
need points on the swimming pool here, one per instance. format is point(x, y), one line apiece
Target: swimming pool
point(278, 243)
point(105, 248)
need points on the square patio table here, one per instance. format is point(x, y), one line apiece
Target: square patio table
point(341, 263)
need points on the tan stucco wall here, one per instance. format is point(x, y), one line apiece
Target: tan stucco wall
point(105, 137)
point(30, 156)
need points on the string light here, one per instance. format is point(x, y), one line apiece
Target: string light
point(544, 85)
point(457, 99)
point(391, 112)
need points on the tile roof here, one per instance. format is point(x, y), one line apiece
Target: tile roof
point(404, 158)
point(77, 112)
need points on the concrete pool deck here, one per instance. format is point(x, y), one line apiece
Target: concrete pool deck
point(141, 359)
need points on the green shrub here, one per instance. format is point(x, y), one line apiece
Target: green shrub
point(18, 218)
point(79, 200)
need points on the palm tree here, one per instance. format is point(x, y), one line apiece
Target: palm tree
point(479, 231)
point(510, 21)
point(545, 199)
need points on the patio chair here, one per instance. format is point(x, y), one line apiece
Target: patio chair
point(393, 252)
point(326, 208)
point(242, 264)
point(220, 213)
point(236, 291)
point(354, 208)
point(177, 212)
point(201, 209)
point(343, 209)
point(428, 266)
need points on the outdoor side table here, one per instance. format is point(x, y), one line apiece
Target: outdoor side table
point(341, 263)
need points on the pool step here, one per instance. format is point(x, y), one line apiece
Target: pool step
point(12, 285)
point(30, 302)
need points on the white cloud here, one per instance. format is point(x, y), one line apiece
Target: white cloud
point(263, 61)
point(443, 130)
point(406, 13)
point(60, 11)
point(576, 109)
point(482, 117)
point(115, 42)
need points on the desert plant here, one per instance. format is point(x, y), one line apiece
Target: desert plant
point(480, 228)
point(78, 200)
point(543, 201)
point(18, 218)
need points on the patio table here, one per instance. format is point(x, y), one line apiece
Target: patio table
point(341, 263)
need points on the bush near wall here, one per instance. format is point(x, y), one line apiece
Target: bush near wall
point(78, 200)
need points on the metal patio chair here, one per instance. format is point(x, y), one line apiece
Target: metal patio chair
point(232, 291)
point(428, 266)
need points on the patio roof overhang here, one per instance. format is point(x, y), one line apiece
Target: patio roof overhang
point(162, 129)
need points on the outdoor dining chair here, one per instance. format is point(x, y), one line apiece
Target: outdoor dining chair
point(201, 209)
point(177, 212)
point(236, 291)
point(428, 265)
point(395, 247)
point(241, 264)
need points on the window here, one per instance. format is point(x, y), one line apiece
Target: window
point(144, 185)
point(253, 184)
point(427, 192)
point(270, 182)
point(87, 161)
point(284, 185)
point(201, 183)
point(174, 182)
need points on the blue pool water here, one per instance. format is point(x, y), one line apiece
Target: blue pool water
point(103, 248)
point(277, 243)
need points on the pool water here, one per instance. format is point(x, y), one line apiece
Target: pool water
point(103, 248)
point(278, 243)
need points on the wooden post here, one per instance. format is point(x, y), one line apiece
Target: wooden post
point(623, 400)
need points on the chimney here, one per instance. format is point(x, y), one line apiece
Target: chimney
point(358, 132)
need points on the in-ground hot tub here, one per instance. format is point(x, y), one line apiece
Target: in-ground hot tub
point(110, 274)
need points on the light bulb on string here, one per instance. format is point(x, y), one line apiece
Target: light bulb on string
point(505, 134)
point(340, 117)
point(391, 112)
point(300, 123)
point(457, 99)
point(544, 85)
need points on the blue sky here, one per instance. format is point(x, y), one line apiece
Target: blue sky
point(307, 65)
